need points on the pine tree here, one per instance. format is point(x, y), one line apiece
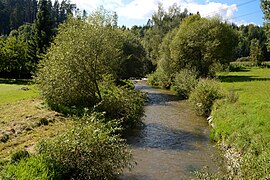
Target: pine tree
point(42, 32)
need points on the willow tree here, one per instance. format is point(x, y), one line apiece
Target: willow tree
point(83, 51)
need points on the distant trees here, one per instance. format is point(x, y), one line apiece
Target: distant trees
point(247, 34)
point(161, 23)
point(31, 27)
point(14, 13)
point(42, 31)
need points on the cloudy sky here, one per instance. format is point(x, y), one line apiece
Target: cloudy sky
point(137, 12)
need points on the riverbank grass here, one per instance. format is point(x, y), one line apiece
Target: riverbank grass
point(245, 124)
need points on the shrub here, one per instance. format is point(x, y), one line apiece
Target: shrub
point(232, 96)
point(119, 102)
point(185, 82)
point(159, 78)
point(34, 167)
point(204, 95)
point(91, 150)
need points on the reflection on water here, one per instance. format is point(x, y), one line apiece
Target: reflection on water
point(173, 141)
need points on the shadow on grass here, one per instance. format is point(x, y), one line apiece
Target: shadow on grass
point(241, 78)
point(16, 81)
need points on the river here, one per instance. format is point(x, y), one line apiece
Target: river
point(173, 142)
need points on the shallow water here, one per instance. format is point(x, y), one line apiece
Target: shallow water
point(173, 143)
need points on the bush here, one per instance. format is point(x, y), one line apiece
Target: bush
point(185, 82)
point(91, 150)
point(159, 78)
point(119, 102)
point(204, 95)
point(34, 167)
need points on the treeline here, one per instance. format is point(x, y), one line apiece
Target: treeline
point(25, 42)
point(14, 13)
point(27, 30)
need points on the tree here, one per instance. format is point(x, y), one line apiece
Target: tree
point(255, 51)
point(43, 32)
point(203, 44)
point(81, 54)
point(133, 62)
point(161, 23)
point(265, 4)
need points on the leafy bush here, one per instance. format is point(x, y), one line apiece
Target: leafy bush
point(185, 81)
point(204, 95)
point(34, 167)
point(121, 103)
point(159, 78)
point(91, 150)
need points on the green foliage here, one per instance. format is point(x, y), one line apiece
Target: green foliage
point(159, 78)
point(202, 43)
point(161, 23)
point(255, 52)
point(185, 82)
point(34, 167)
point(13, 60)
point(81, 54)
point(43, 32)
point(91, 150)
point(121, 103)
point(204, 95)
point(133, 62)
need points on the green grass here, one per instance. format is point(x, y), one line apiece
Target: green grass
point(14, 90)
point(22, 109)
point(245, 125)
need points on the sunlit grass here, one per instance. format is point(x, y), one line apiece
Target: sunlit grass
point(14, 90)
point(246, 123)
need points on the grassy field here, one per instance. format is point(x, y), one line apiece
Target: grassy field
point(245, 125)
point(24, 120)
point(14, 90)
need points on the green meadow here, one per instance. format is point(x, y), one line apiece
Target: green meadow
point(12, 90)
point(245, 124)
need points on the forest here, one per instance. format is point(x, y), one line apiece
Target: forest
point(78, 67)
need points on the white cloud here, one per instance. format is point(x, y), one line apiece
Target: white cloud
point(143, 9)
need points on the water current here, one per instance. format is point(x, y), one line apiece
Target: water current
point(173, 142)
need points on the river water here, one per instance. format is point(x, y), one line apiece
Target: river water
point(173, 142)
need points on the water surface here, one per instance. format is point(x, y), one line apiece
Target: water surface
point(173, 142)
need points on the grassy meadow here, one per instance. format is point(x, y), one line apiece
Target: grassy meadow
point(245, 124)
point(24, 120)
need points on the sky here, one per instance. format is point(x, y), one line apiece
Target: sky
point(137, 12)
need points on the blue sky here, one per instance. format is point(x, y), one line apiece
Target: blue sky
point(137, 12)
